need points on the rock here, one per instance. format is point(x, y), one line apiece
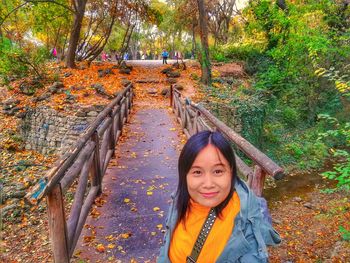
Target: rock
point(124, 71)
point(109, 71)
point(71, 98)
point(308, 205)
point(173, 74)
point(21, 115)
point(44, 96)
point(26, 88)
point(80, 114)
point(76, 87)
point(67, 74)
point(12, 111)
point(178, 87)
point(10, 103)
point(101, 73)
point(166, 70)
point(56, 87)
point(92, 114)
point(101, 90)
point(152, 91)
point(171, 80)
point(125, 82)
point(165, 91)
point(297, 199)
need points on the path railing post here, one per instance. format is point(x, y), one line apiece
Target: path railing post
point(96, 166)
point(57, 225)
point(171, 95)
point(257, 180)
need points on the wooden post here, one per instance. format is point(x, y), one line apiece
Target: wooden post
point(57, 225)
point(257, 181)
point(171, 95)
point(97, 169)
point(112, 135)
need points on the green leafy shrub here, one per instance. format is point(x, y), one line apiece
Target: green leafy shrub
point(19, 62)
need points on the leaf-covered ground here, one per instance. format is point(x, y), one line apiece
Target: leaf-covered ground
point(309, 224)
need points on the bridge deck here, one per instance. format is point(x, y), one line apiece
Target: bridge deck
point(138, 182)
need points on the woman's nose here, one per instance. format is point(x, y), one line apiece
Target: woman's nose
point(208, 181)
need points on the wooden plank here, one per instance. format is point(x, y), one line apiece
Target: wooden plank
point(112, 140)
point(108, 158)
point(106, 123)
point(104, 146)
point(75, 169)
point(96, 172)
point(257, 182)
point(243, 168)
point(78, 201)
point(84, 213)
point(57, 225)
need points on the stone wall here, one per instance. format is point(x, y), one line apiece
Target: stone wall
point(49, 131)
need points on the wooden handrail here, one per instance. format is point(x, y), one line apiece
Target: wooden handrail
point(87, 160)
point(194, 118)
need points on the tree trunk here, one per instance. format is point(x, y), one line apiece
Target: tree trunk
point(79, 6)
point(206, 67)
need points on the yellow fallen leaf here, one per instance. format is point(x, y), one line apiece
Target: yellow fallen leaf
point(160, 226)
point(133, 209)
point(149, 193)
point(153, 233)
point(125, 235)
point(155, 209)
point(126, 200)
point(100, 248)
point(111, 246)
point(109, 238)
point(172, 129)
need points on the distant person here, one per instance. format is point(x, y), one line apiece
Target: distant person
point(165, 56)
point(126, 56)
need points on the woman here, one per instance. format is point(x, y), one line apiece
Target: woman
point(214, 216)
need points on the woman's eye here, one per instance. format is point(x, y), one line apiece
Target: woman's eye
point(218, 171)
point(196, 172)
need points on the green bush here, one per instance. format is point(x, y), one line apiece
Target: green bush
point(19, 62)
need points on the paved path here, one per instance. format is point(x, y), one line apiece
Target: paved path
point(129, 224)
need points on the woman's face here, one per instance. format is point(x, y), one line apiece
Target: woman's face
point(209, 179)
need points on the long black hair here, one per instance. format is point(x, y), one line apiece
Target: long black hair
point(187, 156)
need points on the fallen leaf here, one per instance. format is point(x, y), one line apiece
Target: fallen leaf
point(100, 248)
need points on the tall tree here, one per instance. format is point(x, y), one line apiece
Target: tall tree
point(79, 8)
point(205, 61)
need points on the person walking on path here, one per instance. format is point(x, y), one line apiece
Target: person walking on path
point(165, 56)
point(214, 208)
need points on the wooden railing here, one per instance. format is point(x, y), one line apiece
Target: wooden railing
point(194, 118)
point(86, 163)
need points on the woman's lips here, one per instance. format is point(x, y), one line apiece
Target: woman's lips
point(209, 195)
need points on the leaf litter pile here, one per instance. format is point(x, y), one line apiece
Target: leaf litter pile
point(309, 234)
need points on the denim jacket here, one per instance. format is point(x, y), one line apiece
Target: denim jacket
point(251, 234)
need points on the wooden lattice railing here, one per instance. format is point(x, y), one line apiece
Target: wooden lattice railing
point(194, 118)
point(86, 163)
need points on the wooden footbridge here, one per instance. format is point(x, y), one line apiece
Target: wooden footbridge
point(83, 168)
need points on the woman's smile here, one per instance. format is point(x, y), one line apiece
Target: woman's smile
point(209, 195)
